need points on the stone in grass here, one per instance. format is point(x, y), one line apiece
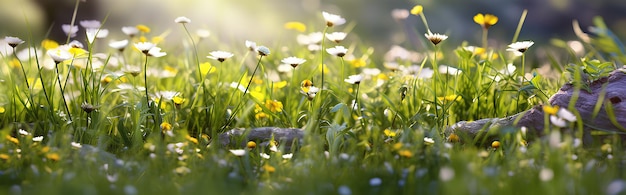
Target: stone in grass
point(286, 137)
point(610, 90)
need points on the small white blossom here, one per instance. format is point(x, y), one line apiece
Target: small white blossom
point(354, 79)
point(428, 141)
point(69, 29)
point(264, 155)
point(144, 47)
point(446, 174)
point(38, 138)
point(203, 33)
point(13, 41)
point(59, 54)
point(339, 51)
point(23, 132)
point(220, 55)
point(293, 61)
point(287, 156)
point(332, 19)
point(182, 20)
point(156, 52)
point(119, 45)
point(263, 51)
point(435, 38)
point(238, 152)
point(90, 24)
point(76, 145)
point(336, 36)
point(131, 31)
point(93, 33)
point(520, 47)
point(557, 121)
point(251, 45)
point(546, 174)
point(566, 114)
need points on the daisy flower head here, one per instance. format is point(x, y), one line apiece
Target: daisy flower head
point(93, 33)
point(263, 51)
point(332, 19)
point(354, 79)
point(119, 45)
point(90, 24)
point(182, 20)
point(156, 52)
point(336, 36)
point(144, 47)
point(293, 61)
point(130, 31)
point(339, 51)
point(251, 45)
point(220, 55)
point(485, 20)
point(435, 38)
point(13, 41)
point(203, 33)
point(69, 30)
point(520, 47)
point(59, 54)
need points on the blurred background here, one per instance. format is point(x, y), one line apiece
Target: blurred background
point(262, 20)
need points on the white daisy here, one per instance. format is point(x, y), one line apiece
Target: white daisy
point(264, 155)
point(59, 54)
point(93, 33)
point(144, 47)
point(339, 51)
point(557, 121)
point(287, 156)
point(263, 51)
point(354, 79)
point(90, 24)
point(238, 152)
point(428, 141)
point(76, 145)
point(220, 55)
point(69, 30)
point(336, 36)
point(119, 45)
point(520, 47)
point(13, 41)
point(23, 132)
point(38, 138)
point(566, 114)
point(332, 19)
point(131, 31)
point(293, 61)
point(76, 44)
point(156, 52)
point(435, 38)
point(182, 20)
point(251, 45)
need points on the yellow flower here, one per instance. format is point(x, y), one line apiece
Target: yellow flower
point(295, 26)
point(2, 109)
point(12, 139)
point(551, 110)
point(389, 133)
point(357, 63)
point(143, 39)
point(15, 63)
point(191, 139)
point(450, 98)
point(206, 68)
point(306, 83)
point(325, 68)
point(48, 44)
point(269, 168)
point(53, 156)
point(165, 126)
point(77, 51)
point(4, 156)
point(251, 144)
point(495, 144)
point(397, 146)
point(178, 100)
point(260, 115)
point(454, 138)
point(143, 28)
point(417, 10)
point(405, 153)
point(486, 20)
point(274, 106)
point(279, 85)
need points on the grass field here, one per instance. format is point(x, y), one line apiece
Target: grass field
point(141, 115)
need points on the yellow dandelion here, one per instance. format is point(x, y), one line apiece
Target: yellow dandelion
point(257, 94)
point(143, 28)
point(417, 10)
point(551, 110)
point(2, 109)
point(495, 144)
point(358, 63)
point(53, 156)
point(178, 100)
point(299, 26)
point(251, 144)
point(260, 115)
point(405, 153)
point(45, 149)
point(274, 106)
point(12, 139)
point(389, 133)
point(165, 126)
point(269, 168)
point(4, 156)
point(191, 139)
point(486, 20)
point(48, 44)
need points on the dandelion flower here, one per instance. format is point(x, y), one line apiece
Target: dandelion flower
point(143, 28)
point(220, 55)
point(293, 61)
point(486, 20)
point(339, 51)
point(354, 79)
point(182, 20)
point(551, 110)
point(332, 19)
point(13, 41)
point(130, 31)
point(495, 144)
point(269, 168)
point(274, 106)
point(295, 26)
point(435, 38)
point(69, 29)
point(336, 36)
point(263, 51)
point(520, 47)
point(389, 133)
point(417, 10)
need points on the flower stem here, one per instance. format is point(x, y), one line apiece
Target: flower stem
point(230, 119)
point(62, 92)
point(145, 80)
point(485, 41)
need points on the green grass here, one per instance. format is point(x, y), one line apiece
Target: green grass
point(133, 143)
